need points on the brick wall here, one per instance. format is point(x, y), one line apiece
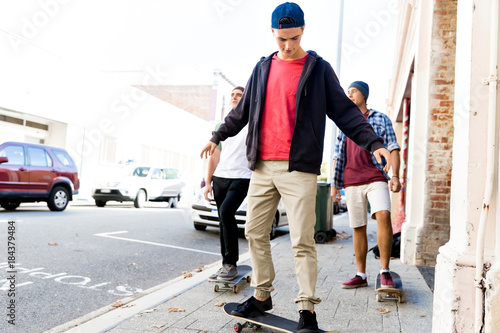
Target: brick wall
point(436, 230)
point(194, 99)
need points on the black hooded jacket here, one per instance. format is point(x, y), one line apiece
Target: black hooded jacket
point(319, 94)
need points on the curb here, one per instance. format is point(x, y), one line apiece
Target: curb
point(109, 316)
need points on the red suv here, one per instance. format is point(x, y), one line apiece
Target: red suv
point(32, 173)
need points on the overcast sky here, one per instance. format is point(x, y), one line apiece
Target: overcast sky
point(198, 36)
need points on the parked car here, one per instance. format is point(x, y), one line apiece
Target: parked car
point(204, 214)
point(340, 206)
point(33, 173)
point(143, 183)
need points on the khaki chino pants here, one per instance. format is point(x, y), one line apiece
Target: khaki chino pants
point(271, 181)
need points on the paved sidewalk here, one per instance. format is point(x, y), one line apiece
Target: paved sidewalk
point(194, 307)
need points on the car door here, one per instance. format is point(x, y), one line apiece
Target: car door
point(172, 185)
point(14, 174)
point(42, 171)
point(155, 183)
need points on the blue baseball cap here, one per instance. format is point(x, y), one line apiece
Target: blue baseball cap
point(287, 9)
point(362, 87)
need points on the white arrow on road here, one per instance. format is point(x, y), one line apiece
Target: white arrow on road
point(109, 235)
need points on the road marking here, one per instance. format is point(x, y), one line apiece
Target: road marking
point(108, 235)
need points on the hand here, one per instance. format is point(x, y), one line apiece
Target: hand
point(395, 184)
point(208, 190)
point(335, 194)
point(208, 150)
point(385, 153)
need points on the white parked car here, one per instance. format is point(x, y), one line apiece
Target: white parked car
point(204, 213)
point(142, 184)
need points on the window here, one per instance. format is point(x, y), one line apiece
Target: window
point(15, 154)
point(156, 174)
point(140, 172)
point(39, 157)
point(63, 157)
point(171, 174)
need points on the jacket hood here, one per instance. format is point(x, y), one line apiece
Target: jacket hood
point(311, 54)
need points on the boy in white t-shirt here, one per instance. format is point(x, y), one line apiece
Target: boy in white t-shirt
point(229, 176)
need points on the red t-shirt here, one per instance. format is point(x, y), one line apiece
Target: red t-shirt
point(359, 168)
point(278, 118)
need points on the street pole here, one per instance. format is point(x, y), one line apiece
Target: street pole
point(337, 71)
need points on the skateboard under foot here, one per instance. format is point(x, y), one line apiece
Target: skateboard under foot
point(243, 274)
point(268, 320)
point(390, 294)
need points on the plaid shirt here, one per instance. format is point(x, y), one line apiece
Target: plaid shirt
point(383, 128)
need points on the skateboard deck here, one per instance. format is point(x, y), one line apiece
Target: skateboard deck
point(268, 320)
point(243, 273)
point(385, 294)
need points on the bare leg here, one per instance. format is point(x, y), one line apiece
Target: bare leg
point(384, 237)
point(360, 242)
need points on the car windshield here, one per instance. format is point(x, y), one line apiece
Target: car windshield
point(140, 172)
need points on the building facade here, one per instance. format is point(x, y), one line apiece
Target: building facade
point(101, 121)
point(445, 78)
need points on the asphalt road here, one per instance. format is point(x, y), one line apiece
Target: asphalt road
point(71, 263)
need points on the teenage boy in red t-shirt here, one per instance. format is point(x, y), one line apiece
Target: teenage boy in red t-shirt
point(285, 105)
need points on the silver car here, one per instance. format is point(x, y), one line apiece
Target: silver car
point(142, 184)
point(204, 213)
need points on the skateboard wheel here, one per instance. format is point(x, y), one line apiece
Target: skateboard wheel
point(235, 289)
point(216, 288)
point(249, 278)
point(237, 327)
point(379, 298)
point(400, 299)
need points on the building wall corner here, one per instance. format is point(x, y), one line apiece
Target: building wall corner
point(453, 306)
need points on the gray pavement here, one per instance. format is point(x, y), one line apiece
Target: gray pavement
point(191, 305)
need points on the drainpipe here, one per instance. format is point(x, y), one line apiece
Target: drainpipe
point(492, 81)
point(401, 216)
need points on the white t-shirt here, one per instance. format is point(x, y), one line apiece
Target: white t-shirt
point(233, 158)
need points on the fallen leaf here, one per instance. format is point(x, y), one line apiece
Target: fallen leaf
point(176, 310)
point(117, 304)
point(340, 247)
point(132, 264)
point(158, 326)
point(148, 311)
point(188, 275)
point(53, 244)
point(198, 270)
point(220, 304)
point(343, 235)
point(383, 310)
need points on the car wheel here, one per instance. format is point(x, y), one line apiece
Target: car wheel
point(274, 227)
point(140, 199)
point(200, 227)
point(58, 199)
point(10, 205)
point(100, 203)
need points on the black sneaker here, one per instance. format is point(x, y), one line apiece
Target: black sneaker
point(253, 307)
point(307, 322)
